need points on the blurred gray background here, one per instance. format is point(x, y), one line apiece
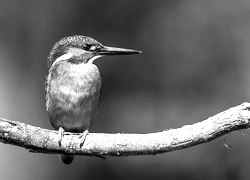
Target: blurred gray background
point(195, 63)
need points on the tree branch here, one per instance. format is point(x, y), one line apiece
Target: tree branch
point(98, 144)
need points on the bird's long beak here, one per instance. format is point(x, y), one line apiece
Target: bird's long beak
point(116, 51)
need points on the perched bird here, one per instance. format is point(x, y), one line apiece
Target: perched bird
point(73, 85)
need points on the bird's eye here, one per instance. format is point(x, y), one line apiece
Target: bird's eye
point(89, 47)
point(86, 47)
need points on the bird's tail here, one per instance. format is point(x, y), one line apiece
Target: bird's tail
point(66, 159)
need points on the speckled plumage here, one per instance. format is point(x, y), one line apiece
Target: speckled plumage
point(73, 85)
point(62, 46)
point(73, 95)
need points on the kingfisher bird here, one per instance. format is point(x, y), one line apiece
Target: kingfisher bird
point(73, 85)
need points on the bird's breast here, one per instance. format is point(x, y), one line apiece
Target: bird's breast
point(73, 92)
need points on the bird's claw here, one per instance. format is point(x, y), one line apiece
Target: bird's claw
point(60, 131)
point(83, 137)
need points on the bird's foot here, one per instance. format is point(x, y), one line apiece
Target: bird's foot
point(83, 137)
point(60, 131)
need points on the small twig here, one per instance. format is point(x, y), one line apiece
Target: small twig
point(98, 144)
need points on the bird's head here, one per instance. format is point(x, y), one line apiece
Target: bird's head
point(81, 49)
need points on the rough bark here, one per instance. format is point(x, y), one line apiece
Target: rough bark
point(41, 140)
